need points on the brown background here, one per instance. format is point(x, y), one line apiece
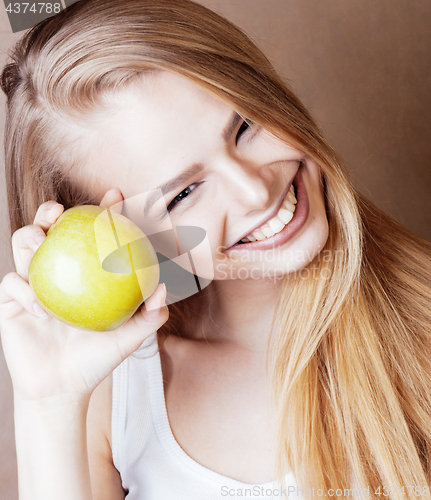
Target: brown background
point(363, 69)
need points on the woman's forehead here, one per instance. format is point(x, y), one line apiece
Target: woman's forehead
point(154, 127)
point(162, 88)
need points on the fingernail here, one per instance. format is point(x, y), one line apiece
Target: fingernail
point(159, 299)
point(39, 238)
point(39, 312)
point(163, 299)
point(51, 205)
point(113, 191)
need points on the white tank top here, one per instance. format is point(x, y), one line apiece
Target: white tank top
point(152, 464)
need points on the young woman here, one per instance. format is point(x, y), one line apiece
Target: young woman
point(307, 358)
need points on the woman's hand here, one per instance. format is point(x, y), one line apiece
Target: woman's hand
point(49, 361)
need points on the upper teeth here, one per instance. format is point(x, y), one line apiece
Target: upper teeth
point(277, 223)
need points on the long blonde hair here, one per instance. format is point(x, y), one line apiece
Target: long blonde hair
point(351, 373)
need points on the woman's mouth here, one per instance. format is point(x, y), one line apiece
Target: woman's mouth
point(277, 223)
point(290, 217)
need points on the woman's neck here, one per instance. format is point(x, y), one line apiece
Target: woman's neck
point(237, 313)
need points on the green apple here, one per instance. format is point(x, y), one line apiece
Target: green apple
point(94, 269)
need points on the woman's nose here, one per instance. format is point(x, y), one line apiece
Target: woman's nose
point(248, 186)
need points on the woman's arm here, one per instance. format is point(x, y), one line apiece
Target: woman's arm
point(65, 451)
point(55, 369)
point(105, 478)
point(52, 450)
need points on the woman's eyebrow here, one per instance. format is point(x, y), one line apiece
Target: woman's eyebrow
point(230, 127)
point(172, 184)
point(189, 172)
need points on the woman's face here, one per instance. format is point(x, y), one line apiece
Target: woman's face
point(233, 178)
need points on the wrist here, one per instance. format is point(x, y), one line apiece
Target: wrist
point(51, 448)
point(51, 406)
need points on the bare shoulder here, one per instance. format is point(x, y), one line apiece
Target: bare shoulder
point(105, 478)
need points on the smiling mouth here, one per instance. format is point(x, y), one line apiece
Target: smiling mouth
point(276, 223)
point(281, 227)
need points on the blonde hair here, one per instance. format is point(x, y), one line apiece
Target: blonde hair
point(351, 373)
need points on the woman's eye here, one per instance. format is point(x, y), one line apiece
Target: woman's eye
point(244, 126)
point(184, 193)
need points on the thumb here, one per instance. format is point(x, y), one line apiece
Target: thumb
point(147, 320)
point(157, 300)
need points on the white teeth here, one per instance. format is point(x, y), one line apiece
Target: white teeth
point(291, 198)
point(288, 205)
point(276, 225)
point(285, 215)
point(258, 235)
point(267, 231)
